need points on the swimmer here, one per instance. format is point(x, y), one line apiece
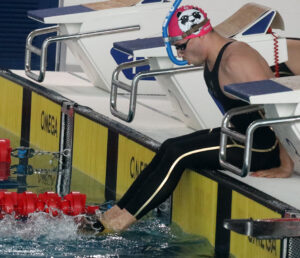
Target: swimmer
point(226, 62)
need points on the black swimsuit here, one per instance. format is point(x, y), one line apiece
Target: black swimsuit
point(263, 137)
point(197, 151)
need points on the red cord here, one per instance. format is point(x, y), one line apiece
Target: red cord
point(276, 52)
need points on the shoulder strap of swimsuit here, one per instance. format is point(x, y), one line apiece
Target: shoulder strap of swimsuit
point(219, 57)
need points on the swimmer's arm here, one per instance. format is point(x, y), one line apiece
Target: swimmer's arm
point(293, 62)
point(243, 65)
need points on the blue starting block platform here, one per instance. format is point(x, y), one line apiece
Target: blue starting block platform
point(50, 14)
point(42, 14)
point(130, 46)
point(281, 90)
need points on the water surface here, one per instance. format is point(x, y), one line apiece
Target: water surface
point(45, 236)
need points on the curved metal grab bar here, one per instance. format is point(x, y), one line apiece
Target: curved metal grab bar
point(32, 49)
point(43, 51)
point(132, 89)
point(246, 139)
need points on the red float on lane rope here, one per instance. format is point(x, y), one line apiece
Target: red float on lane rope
point(5, 159)
point(23, 204)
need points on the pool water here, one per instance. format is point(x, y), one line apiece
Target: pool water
point(44, 236)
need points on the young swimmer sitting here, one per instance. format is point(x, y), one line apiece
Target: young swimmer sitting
point(226, 62)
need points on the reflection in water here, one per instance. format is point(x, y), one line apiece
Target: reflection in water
point(36, 170)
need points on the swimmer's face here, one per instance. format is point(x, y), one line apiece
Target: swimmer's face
point(182, 46)
point(189, 50)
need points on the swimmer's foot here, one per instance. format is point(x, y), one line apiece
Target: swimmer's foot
point(91, 225)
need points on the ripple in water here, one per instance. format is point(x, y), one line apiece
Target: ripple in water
point(44, 236)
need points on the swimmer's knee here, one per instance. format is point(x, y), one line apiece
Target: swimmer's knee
point(172, 149)
point(174, 152)
point(168, 144)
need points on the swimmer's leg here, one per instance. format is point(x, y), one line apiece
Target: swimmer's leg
point(155, 185)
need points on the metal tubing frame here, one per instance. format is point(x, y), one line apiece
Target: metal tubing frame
point(247, 139)
point(133, 88)
point(59, 38)
point(227, 132)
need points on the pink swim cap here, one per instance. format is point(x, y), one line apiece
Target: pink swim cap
point(188, 22)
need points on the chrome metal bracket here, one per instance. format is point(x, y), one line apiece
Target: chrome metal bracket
point(246, 139)
point(273, 228)
point(133, 88)
point(63, 180)
point(59, 38)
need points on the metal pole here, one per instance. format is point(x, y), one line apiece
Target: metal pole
point(63, 182)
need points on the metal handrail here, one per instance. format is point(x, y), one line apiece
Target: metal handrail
point(32, 49)
point(43, 51)
point(133, 88)
point(246, 139)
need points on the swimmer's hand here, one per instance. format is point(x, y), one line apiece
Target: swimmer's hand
point(273, 173)
point(285, 169)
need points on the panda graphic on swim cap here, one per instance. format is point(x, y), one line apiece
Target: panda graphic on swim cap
point(189, 18)
point(185, 18)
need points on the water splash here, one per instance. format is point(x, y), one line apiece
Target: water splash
point(39, 225)
point(42, 235)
